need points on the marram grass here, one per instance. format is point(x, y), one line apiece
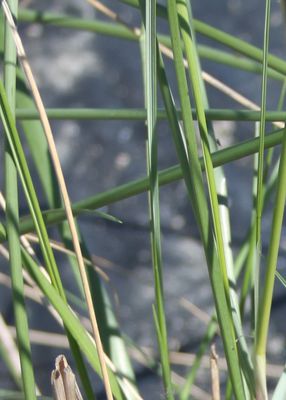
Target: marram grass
point(206, 185)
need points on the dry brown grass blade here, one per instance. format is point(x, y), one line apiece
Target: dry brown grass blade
point(214, 374)
point(63, 381)
point(61, 181)
point(195, 311)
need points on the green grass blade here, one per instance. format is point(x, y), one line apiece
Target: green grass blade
point(23, 171)
point(239, 45)
point(216, 186)
point(134, 114)
point(260, 364)
point(38, 146)
point(268, 185)
point(64, 21)
point(70, 320)
point(235, 61)
point(22, 167)
point(108, 325)
point(194, 75)
point(154, 207)
point(200, 208)
point(138, 186)
point(12, 219)
point(13, 395)
point(267, 291)
point(118, 30)
point(260, 170)
point(204, 346)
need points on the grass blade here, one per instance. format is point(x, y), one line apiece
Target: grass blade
point(267, 291)
point(166, 176)
point(72, 323)
point(113, 344)
point(200, 208)
point(280, 390)
point(154, 208)
point(63, 189)
point(260, 362)
point(12, 219)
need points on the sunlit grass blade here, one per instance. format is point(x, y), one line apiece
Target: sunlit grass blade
point(12, 221)
point(215, 182)
point(267, 288)
point(200, 208)
point(260, 361)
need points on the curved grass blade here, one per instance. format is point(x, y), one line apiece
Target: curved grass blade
point(63, 189)
point(23, 171)
point(117, 30)
point(12, 219)
point(200, 208)
point(113, 343)
point(217, 183)
point(267, 290)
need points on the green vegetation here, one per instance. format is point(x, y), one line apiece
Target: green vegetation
point(234, 278)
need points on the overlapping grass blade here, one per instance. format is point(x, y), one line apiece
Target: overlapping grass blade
point(12, 223)
point(260, 361)
point(117, 30)
point(154, 207)
point(204, 346)
point(267, 288)
point(23, 171)
point(72, 323)
point(113, 344)
point(239, 45)
point(216, 183)
point(200, 208)
point(269, 183)
point(138, 186)
point(64, 194)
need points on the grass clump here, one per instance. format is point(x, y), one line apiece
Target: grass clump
point(101, 346)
